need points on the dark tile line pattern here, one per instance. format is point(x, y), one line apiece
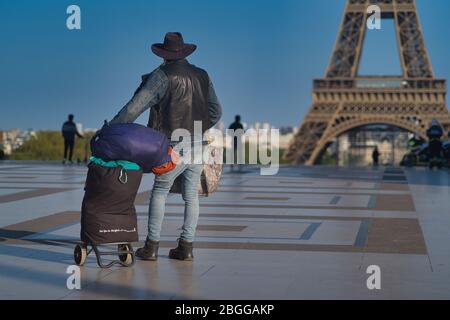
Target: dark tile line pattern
point(294, 182)
point(335, 200)
point(13, 168)
point(50, 172)
point(388, 186)
point(394, 171)
point(43, 182)
point(24, 195)
point(356, 179)
point(47, 169)
point(290, 187)
point(258, 246)
point(38, 235)
point(14, 233)
point(19, 188)
point(198, 237)
point(395, 178)
point(268, 198)
point(363, 232)
point(27, 173)
point(376, 235)
point(261, 216)
point(309, 232)
point(337, 192)
point(20, 177)
point(383, 203)
point(305, 236)
point(372, 202)
point(221, 228)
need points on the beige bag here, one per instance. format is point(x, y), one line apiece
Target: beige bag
point(210, 177)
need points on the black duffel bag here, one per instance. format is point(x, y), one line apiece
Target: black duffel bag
point(108, 214)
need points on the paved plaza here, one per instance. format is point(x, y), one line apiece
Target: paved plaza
point(307, 233)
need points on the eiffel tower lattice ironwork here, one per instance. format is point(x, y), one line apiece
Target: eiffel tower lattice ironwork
point(343, 101)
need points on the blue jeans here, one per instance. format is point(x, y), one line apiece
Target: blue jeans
point(190, 180)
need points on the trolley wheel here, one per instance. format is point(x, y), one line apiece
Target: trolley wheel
point(126, 258)
point(80, 254)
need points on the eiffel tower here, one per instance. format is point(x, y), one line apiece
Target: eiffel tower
point(343, 101)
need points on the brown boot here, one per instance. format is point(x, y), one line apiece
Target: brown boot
point(149, 252)
point(183, 251)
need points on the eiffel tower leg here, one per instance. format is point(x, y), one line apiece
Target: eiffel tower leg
point(310, 134)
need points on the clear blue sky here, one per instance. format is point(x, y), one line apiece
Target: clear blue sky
point(261, 54)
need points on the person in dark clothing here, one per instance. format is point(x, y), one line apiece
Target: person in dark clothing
point(69, 131)
point(236, 125)
point(435, 148)
point(376, 157)
point(178, 95)
point(435, 134)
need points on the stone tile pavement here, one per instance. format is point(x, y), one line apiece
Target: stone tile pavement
point(307, 233)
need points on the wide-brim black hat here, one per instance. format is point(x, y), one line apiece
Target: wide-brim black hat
point(173, 47)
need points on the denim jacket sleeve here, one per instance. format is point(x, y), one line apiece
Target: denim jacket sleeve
point(215, 109)
point(149, 93)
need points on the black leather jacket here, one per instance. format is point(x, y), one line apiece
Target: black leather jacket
point(178, 94)
point(185, 100)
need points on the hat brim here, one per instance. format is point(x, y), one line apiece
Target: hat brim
point(161, 51)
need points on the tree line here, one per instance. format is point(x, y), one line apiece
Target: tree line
point(49, 145)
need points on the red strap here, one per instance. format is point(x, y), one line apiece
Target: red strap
point(168, 166)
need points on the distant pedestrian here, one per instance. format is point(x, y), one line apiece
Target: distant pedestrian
point(236, 125)
point(435, 146)
point(376, 157)
point(69, 131)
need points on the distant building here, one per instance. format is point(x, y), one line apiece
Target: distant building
point(79, 127)
point(287, 135)
point(11, 140)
